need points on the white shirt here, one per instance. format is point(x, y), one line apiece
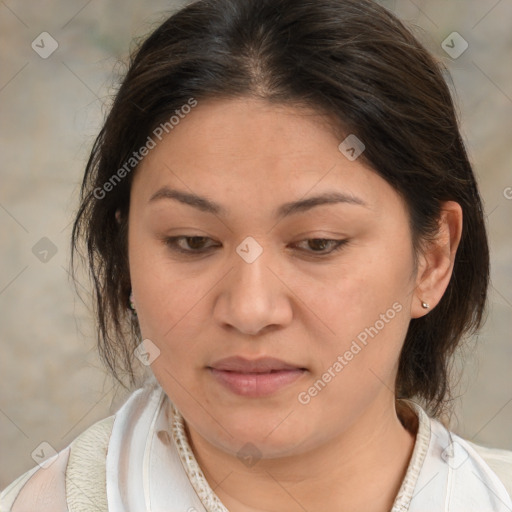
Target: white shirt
point(149, 466)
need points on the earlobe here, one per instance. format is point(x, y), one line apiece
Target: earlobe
point(438, 259)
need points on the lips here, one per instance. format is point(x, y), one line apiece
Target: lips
point(255, 378)
point(262, 365)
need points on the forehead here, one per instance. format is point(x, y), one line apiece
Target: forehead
point(250, 148)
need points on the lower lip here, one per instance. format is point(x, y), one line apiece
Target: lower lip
point(256, 384)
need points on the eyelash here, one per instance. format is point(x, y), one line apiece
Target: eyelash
point(171, 242)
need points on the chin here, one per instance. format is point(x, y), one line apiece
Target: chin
point(272, 434)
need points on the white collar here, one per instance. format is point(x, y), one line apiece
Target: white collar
point(150, 466)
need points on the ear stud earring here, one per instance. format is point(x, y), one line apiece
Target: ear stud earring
point(425, 305)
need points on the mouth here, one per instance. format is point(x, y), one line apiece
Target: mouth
point(255, 378)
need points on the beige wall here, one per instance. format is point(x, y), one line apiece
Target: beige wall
point(53, 385)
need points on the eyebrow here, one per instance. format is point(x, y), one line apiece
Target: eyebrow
point(206, 205)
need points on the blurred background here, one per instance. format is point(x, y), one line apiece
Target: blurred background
point(59, 61)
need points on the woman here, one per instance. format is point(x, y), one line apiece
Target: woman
point(281, 207)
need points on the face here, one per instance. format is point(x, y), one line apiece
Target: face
point(239, 274)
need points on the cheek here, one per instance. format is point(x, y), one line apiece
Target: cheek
point(170, 316)
point(170, 309)
point(362, 307)
point(352, 295)
point(163, 297)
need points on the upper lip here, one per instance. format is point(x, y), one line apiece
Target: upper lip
point(261, 365)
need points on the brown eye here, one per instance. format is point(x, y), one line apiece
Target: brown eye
point(197, 241)
point(188, 244)
point(318, 245)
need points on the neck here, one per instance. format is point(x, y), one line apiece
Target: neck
point(361, 469)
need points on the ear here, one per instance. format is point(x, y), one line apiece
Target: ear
point(435, 269)
point(118, 216)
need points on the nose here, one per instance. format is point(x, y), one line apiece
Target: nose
point(253, 297)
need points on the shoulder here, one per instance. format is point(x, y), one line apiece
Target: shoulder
point(86, 472)
point(71, 481)
point(497, 463)
point(500, 461)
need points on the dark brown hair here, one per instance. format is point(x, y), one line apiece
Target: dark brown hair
point(350, 59)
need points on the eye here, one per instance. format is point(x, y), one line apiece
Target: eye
point(194, 244)
point(320, 244)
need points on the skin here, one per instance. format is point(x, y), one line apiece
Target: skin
point(346, 449)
